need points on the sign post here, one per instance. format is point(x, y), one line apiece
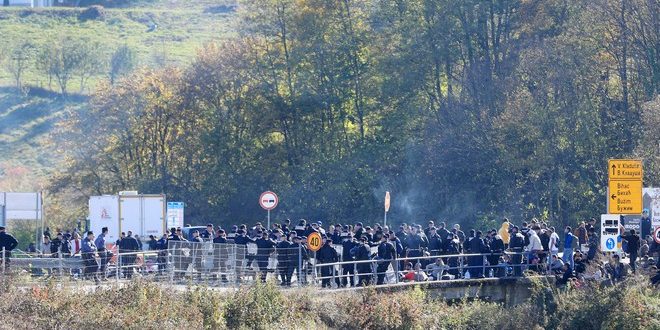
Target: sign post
point(268, 201)
point(625, 186)
point(387, 207)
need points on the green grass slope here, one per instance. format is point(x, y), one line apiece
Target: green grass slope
point(181, 28)
point(27, 122)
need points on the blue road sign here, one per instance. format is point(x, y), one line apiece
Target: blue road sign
point(609, 244)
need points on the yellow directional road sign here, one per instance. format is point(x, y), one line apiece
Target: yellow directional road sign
point(625, 197)
point(625, 169)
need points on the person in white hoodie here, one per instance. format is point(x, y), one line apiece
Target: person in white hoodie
point(535, 247)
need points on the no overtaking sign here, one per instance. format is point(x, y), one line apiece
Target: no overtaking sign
point(268, 200)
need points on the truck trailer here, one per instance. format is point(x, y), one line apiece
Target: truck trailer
point(141, 214)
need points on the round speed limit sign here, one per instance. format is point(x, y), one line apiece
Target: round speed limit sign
point(314, 241)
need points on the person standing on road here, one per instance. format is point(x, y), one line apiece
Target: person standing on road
point(161, 259)
point(283, 258)
point(348, 270)
point(128, 245)
point(516, 244)
point(633, 248)
point(570, 244)
point(645, 224)
point(386, 253)
point(220, 248)
point(362, 252)
point(7, 244)
point(297, 258)
point(265, 246)
point(56, 245)
point(88, 252)
point(327, 254)
point(104, 254)
point(196, 253)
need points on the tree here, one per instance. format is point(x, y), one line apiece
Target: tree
point(63, 59)
point(91, 62)
point(18, 60)
point(122, 62)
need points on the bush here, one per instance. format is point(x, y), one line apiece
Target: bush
point(92, 13)
point(256, 307)
point(140, 305)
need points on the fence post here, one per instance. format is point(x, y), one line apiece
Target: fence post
point(233, 264)
point(395, 267)
point(4, 262)
point(170, 261)
point(299, 275)
point(118, 266)
point(460, 266)
point(60, 266)
point(483, 269)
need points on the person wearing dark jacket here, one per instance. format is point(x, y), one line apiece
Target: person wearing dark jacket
point(56, 246)
point(386, 253)
point(398, 248)
point(65, 248)
point(265, 247)
point(453, 247)
point(348, 270)
point(435, 242)
point(466, 244)
point(297, 258)
point(477, 245)
point(152, 243)
point(327, 254)
point(161, 259)
point(414, 244)
point(7, 244)
point(496, 250)
point(516, 244)
point(196, 252)
point(88, 251)
point(567, 275)
point(645, 224)
point(443, 233)
point(283, 259)
point(359, 230)
point(128, 244)
point(362, 252)
point(633, 248)
point(222, 254)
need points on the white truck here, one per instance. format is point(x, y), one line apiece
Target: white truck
point(144, 215)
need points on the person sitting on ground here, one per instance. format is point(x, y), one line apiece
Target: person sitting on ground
point(580, 264)
point(594, 272)
point(566, 276)
point(616, 270)
point(644, 249)
point(409, 274)
point(557, 265)
point(436, 269)
point(420, 275)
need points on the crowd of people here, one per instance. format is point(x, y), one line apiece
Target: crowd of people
point(354, 255)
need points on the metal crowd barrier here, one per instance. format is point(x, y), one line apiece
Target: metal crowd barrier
point(235, 264)
point(394, 268)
